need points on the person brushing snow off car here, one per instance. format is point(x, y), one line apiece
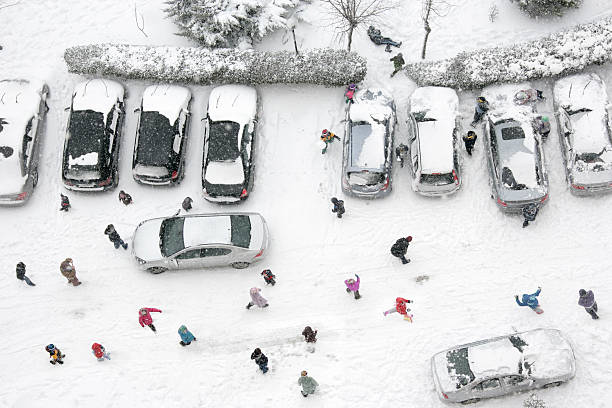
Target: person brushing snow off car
point(352, 285)
point(145, 319)
point(400, 307)
point(256, 299)
point(400, 248)
point(530, 301)
point(100, 352)
point(186, 336)
point(530, 212)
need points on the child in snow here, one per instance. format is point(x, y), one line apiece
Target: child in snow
point(186, 336)
point(482, 107)
point(352, 285)
point(530, 300)
point(125, 198)
point(530, 211)
point(398, 63)
point(187, 203)
point(114, 237)
point(309, 335)
point(350, 93)
point(100, 352)
point(338, 207)
point(401, 153)
point(68, 270)
point(65, 203)
point(55, 354)
point(377, 38)
point(327, 137)
point(400, 248)
point(269, 277)
point(260, 359)
point(145, 319)
point(309, 384)
point(587, 300)
point(470, 141)
point(256, 299)
point(400, 307)
point(21, 270)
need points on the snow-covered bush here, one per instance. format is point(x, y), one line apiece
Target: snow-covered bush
point(223, 23)
point(559, 53)
point(533, 402)
point(321, 66)
point(537, 8)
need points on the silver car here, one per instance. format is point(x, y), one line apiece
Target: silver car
point(539, 358)
point(368, 145)
point(201, 240)
point(581, 103)
point(23, 109)
point(514, 152)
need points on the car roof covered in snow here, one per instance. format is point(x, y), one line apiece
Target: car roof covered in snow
point(436, 135)
point(236, 103)
point(166, 99)
point(98, 95)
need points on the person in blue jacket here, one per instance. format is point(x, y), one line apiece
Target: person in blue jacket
point(186, 336)
point(530, 300)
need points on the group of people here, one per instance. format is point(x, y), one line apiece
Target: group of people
point(124, 198)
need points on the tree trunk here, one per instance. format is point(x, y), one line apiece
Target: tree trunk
point(294, 42)
point(427, 31)
point(425, 16)
point(350, 37)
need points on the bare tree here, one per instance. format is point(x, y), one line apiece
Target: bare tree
point(431, 9)
point(348, 15)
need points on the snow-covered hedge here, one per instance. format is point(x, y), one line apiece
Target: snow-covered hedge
point(560, 53)
point(322, 66)
point(538, 8)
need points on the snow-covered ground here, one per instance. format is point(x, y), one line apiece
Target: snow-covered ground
point(474, 257)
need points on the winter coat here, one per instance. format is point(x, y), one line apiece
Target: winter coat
point(338, 207)
point(541, 126)
point(268, 275)
point(400, 247)
point(329, 137)
point(185, 334)
point(256, 297)
point(398, 61)
point(187, 203)
point(308, 384)
point(529, 300)
point(588, 300)
point(354, 287)
point(310, 335)
point(67, 269)
point(482, 107)
point(112, 233)
point(20, 271)
point(98, 350)
point(55, 354)
point(530, 212)
point(125, 198)
point(260, 358)
point(400, 305)
point(470, 140)
point(146, 319)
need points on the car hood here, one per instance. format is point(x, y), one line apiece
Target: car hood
point(145, 244)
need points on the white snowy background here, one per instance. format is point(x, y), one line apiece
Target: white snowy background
point(476, 258)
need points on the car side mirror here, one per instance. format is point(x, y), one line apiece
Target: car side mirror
point(136, 110)
point(66, 109)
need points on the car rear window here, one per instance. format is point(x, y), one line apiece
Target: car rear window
point(511, 133)
point(223, 141)
point(241, 230)
point(458, 367)
point(366, 178)
point(85, 133)
point(171, 236)
point(223, 190)
point(156, 139)
point(437, 179)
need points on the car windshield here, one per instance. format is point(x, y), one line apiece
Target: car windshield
point(241, 230)
point(156, 140)
point(85, 134)
point(437, 179)
point(459, 367)
point(590, 157)
point(511, 133)
point(223, 141)
point(366, 178)
point(171, 236)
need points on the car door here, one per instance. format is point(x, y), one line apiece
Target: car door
point(216, 256)
point(190, 258)
point(516, 383)
point(29, 141)
point(488, 388)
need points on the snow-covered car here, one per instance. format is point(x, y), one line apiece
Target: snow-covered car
point(200, 240)
point(433, 129)
point(539, 358)
point(368, 145)
point(581, 106)
point(514, 150)
point(227, 164)
point(91, 149)
point(161, 133)
point(23, 109)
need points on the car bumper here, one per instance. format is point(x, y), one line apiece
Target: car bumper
point(367, 194)
point(590, 191)
point(12, 202)
point(438, 193)
point(154, 182)
point(222, 199)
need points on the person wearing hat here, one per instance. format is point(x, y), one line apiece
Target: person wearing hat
point(401, 153)
point(470, 141)
point(21, 270)
point(400, 248)
point(125, 198)
point(482, 107)
point(398, 63)
point(100, 352)
point(186, 336)
point(530, 300)
point(68, 270)
point(352, 285)
point(587, 300)
point(269, 277)
point(530, 212)
point(260, 359)
point(145, 318)
point(338, 207)
point(114, 237)
point(401, 308)
point(55, 354)
point(65, 203)
point(256, 298)
point(310, 336)
point(350, 93)
point(542, 125)
point(187, 203)
point(309, 384)
point(377, 38)
point(327, 137)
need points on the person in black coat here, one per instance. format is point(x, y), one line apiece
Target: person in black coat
point(114, 237)
point(269, 277)
point(530, 211)
point(21, 270)
point(470, 141)
point(400, 248)
point(260, 359)
point(338, 207)
point(482, 107)
point(125, 198)
point(310, 335)
point(187, 203)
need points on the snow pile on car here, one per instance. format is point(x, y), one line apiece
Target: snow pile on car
point(168, 100)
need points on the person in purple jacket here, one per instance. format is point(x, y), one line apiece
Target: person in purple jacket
point(256, 299)
point(352, 285)
point(587, 300)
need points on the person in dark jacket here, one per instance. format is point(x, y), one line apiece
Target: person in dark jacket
point(114, 237)
point(269, 277)
point(187, 203)
point(310, 335)
point(530, 212)
point(338, 207)
point(530, 300)
point(260, 359)
point(482, 107)
point(587, 300)
point(378, 39)
point(65, 203)
point(21, 270)
point(125, 198)
point(55, 354)
point(470, 141)
point(400, 248)
point(401, 152)
point(398, 63)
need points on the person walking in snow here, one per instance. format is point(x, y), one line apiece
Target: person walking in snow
point(377, 38)
point(530, 300)
point(20, 271)
point(260, 359)
point(530, 212)
point(470, 141)
point(310, 336)
point(401, 308)
point(125, 198)
point(352, 285)
point(587, 300)
point(65, 203)
point(482, 107)
point(186, 336)
point(338, 207)
point(145, 319)
point(541, 125)
point(401, 153)
point(256, 299)
point(398, 63)
point(309, 384)
point(327, 137)
point(349, 94)
point(269, 277)
point(100, 352)
point(187, 204)
point(56, 355)
point(400, 248)
point(114, 237)
point(69, 271)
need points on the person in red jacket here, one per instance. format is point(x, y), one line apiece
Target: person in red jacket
point(400, 307)
point(99, 351)
point(145, 319)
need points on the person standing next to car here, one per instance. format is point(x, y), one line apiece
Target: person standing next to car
point(68, 270)
point(482, 107)
point(21, 270)
point(327, 137)
point(338, 207)
point(187, 204)
point(114, 237)
point(400, 248)
point(587, 300)
point(470, 141)
point(531, 301)
point(401, 152)
point(530, 212)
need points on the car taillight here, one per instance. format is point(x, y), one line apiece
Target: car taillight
point(455, 177)
point(500, 202)
point(546, 198)
point(244, 194)
point(22, 196)
point(174, 174)
point(68, 183)
point(386, 185)
point(259, 254)
point(105, 182)
point(445, 396)
point(577, 187)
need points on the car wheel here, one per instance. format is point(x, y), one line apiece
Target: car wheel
point(554, 384)
point(157, 270)
point(34, 177)
point(240, 265)
point(470, 401)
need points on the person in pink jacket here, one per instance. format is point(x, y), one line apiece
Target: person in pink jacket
point(256, 299)
point(145, 319)
point(352, 285)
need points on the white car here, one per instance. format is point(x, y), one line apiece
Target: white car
point(23, 110)
point(227, 164)
point(433, 128)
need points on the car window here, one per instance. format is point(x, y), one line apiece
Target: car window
point(511, 133)
point(437, 179)
point(488, 385)
point(171, 236)
point(223, 141)
point(155, 140)
point(206, 252)
point(513, 380)
point(191, 254)
point(241, 230)
point(85, 133)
